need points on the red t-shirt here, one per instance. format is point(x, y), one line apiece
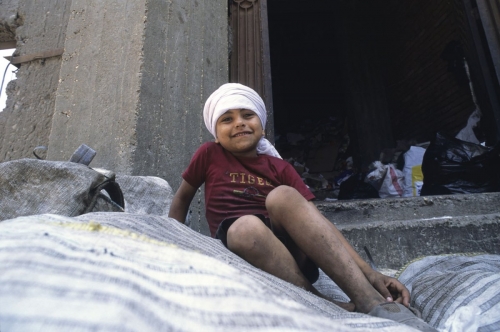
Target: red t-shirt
point(235, 187)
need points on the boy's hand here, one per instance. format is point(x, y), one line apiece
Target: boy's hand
point(390, 288)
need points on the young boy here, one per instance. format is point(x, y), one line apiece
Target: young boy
point(260, 209)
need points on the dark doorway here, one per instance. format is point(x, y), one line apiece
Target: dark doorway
point(306, 63)
point(371, 72)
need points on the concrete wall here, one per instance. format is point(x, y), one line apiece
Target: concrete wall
point(9, 20)
point(100, 83)
point(185, 60)
point(131, 83)
point(26, 121)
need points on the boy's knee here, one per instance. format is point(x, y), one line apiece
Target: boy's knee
point(281, 197)
point(245, 233)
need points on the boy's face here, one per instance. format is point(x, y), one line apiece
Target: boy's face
point(239, 131)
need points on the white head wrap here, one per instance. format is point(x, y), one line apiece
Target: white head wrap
point(237, 96)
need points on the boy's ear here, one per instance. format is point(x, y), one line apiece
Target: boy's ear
point(216, 141)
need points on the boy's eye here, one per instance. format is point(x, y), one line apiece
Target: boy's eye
point(226, 119)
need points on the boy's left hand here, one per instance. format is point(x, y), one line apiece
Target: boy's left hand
point(390, 288)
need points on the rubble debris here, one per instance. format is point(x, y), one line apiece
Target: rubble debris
point(319, 152)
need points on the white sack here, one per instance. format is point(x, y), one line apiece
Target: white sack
point(414, 179)
point(387, 179)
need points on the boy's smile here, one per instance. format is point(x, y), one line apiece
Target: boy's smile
point(239, 131)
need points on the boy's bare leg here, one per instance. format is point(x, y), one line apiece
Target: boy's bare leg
point(318, 239)
point(250, 239)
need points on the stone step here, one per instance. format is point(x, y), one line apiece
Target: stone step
point(397, 231)
point(361, 211)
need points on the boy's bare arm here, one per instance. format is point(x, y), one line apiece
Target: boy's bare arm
point(181, 202)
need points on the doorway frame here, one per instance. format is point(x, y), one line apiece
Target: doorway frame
point(250, 54)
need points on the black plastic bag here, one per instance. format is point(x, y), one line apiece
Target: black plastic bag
point(356, 188)
point(452, 166)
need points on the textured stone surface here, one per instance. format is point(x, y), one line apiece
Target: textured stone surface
point(399, 230)
point(395, 243)
point(9, 20)
point(134, 78)
point(26, 121)
point(363, 211)
point(185, 60)
point(99, 83)
point(131, 83)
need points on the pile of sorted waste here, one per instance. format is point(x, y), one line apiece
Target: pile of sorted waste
point(319, 152)
point(446, 165)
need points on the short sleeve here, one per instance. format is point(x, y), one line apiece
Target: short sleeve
point(293, 179)
point(195, 174)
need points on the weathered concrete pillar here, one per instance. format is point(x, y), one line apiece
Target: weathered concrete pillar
point(97, 99)
point(131, 83)
point(27, 119)
point(8, 21)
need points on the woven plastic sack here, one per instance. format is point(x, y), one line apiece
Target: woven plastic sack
point(457, 292)
point(30, 186)
point(125, 272)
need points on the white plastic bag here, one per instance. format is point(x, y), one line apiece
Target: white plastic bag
point(467, 133)
point(414, 178)
point(387, 179)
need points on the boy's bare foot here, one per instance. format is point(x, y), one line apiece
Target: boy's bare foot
point(348, 306)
